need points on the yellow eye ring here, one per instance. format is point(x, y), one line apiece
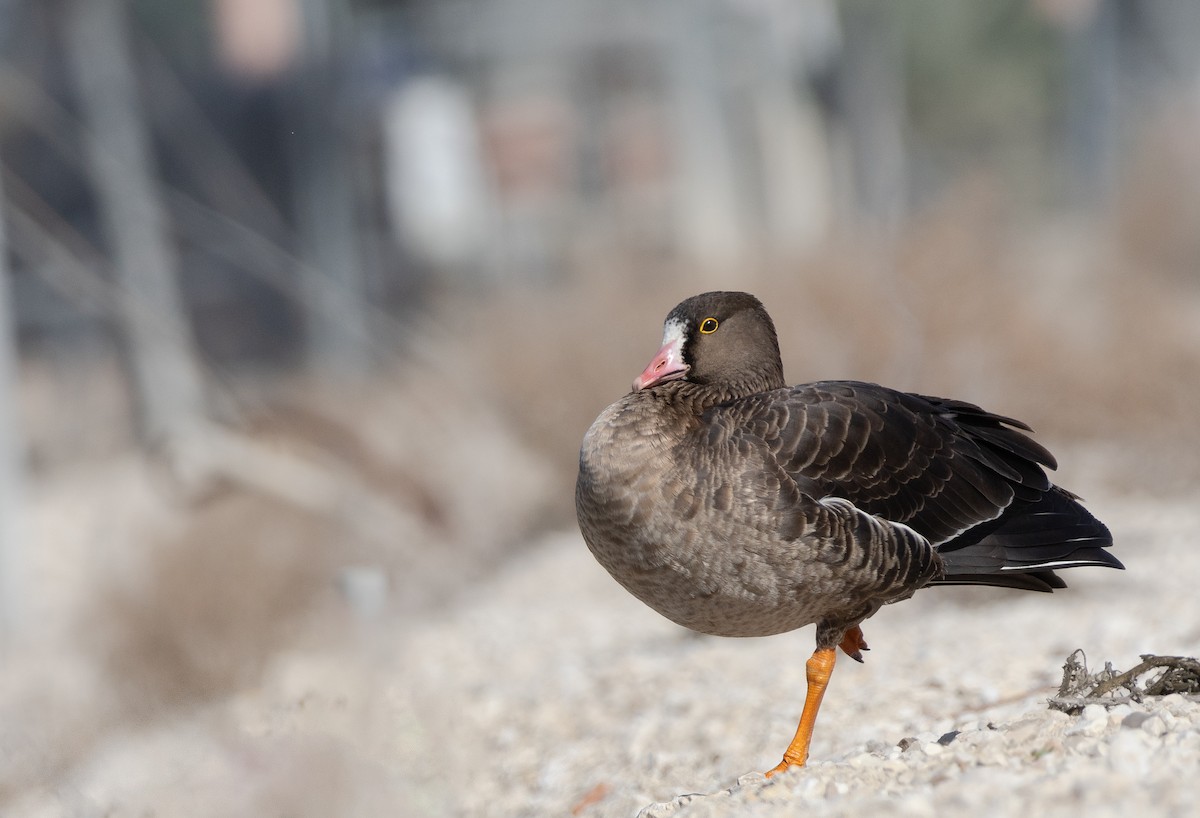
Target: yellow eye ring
point(708, 326)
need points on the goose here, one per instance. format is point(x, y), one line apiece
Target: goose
point(736, 505)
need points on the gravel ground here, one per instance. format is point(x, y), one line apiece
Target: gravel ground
point(556, 693)
point(549, 691)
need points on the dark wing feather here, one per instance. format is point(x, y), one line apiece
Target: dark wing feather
point(899, 456)
point(969, 481)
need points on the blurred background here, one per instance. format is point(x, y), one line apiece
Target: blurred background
point(306, 304)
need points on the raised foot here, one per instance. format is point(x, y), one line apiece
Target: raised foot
point(853, 643)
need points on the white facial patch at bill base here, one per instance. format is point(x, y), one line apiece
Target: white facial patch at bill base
point(674, 330)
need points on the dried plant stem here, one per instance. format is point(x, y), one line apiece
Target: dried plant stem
point(1181, 675)
point(1149, 662)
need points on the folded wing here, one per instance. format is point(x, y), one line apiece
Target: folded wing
point(970, 481)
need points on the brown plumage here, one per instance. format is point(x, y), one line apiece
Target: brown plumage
point(735, 505)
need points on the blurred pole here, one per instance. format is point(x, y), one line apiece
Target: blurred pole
point(157, 332)
point(1092, 117)
point(13, 560)
point(435, 179)
point(332, 275)
point(873, 97)
point(796, 170)
point(711, 216)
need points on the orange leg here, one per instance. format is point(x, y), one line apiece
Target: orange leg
point(818, 670)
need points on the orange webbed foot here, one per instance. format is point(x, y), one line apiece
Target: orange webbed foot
point(853, 643)
point(781, 767)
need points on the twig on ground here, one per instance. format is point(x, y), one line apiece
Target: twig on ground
point(1079, 688)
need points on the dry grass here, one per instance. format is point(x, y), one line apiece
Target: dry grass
point(174, 601)
point(200, 614)
point(1055, 324)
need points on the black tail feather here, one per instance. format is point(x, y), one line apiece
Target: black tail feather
point(1043, 581)
point(1023, 547)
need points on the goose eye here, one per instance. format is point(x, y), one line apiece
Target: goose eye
point(708, 326)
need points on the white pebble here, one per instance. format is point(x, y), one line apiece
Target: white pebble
point(860, 760)
point(1089, 723)
point(1129, 752)
point(1116, 714)
point(1155, 725)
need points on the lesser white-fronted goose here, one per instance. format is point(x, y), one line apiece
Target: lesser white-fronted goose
point(736, 505)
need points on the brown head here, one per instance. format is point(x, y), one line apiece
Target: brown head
point(721, 339)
